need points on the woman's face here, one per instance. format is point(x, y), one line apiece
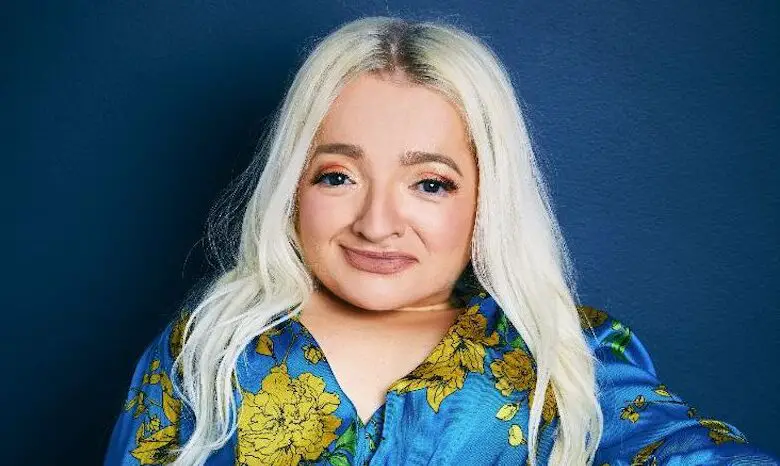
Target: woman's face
point(390, 170)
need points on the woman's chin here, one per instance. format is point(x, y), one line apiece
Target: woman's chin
point(375, 296)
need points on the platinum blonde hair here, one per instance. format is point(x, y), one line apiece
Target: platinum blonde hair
point(518, 253)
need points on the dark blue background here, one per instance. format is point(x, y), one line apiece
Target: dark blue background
point(657, 126)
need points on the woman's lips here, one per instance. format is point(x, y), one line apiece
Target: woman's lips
point(366, 263)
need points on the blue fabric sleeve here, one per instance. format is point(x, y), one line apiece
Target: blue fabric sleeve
point(148, 424)
point(644, 422)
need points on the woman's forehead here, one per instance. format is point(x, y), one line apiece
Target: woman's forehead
point(380, 118)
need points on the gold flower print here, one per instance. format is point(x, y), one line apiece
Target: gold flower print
point(639, 403)
point(661, 390)
point(153, 440)
point(460, 352)
point(313, 354)
point(467, 340)
point(438, 379)
point(514, 372)
point(550, 408)
point(289, 420)
point(720, 432)
point(265, 343)
point(631, 411)
point(507, 411)
point(591, 317)
point(646, 456)
point(176, 339)
point(516, 435)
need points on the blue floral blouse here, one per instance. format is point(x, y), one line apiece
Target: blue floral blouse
point(466, 403)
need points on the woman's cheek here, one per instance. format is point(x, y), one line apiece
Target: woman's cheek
point(322, 216)
point(446, 229)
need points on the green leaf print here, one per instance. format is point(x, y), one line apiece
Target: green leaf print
point(519, 343)
point(347, 440)
point(338, 460)
point(501, 325)
point(619, 339)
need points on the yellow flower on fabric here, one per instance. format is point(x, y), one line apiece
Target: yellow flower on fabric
point(469, 340)
point(661, 390)
point(516, 436)
point(153, 424)
point(176, 339)
point(265, 343)
point(719, 432)
point(507, 412)
point(646, 455)
point(461, 351)
point(591, 317)
point(288, 421)
point(171, 405)
point(629, 413)
point(153, 441)
point(439, 379)
point(550, 407)
point(138, 402)
point(313, 354)
point(154, 448)
point(514, 372)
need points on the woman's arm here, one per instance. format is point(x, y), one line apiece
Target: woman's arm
point(644, 422)
point(148, 425)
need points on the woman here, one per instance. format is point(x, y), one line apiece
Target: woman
point(400, 292)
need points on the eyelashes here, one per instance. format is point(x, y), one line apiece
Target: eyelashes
point(448, 186)
point(329, 175)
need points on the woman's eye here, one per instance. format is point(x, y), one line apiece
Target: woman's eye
point(428, 185)
point(332, 178)
point(432, 186)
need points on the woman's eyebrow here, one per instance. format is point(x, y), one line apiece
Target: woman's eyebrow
point(411, 157)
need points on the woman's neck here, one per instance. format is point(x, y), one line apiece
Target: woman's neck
point(332, 304)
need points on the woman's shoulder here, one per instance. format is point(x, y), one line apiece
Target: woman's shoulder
point(608, 336)
point(152, 415)
point(168, 342)
point(646, 421)
point(600, 325)
point(612, 339)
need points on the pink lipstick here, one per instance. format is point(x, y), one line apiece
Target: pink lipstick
point(378, 262)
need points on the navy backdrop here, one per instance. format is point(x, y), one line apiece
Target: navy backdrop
point(121, 122)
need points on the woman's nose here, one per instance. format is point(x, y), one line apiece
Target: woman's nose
point(380, 216)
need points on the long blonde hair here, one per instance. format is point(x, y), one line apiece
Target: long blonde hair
point(518, 252)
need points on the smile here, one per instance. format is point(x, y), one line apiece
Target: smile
point(379, 265)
